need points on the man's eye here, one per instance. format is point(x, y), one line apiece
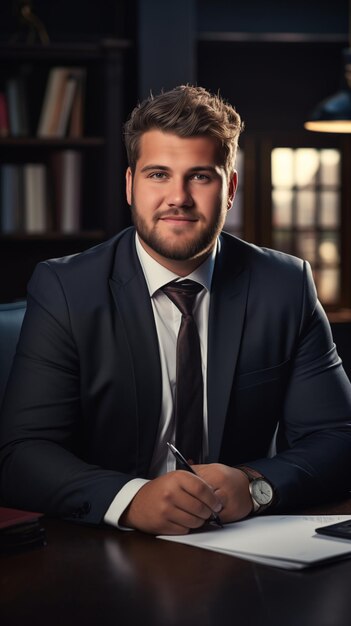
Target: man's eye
point(201, 177)
point(158, 175)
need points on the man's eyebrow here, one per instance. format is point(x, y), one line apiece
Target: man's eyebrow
point(164, 168)
point(203, 168)
point(152, 166)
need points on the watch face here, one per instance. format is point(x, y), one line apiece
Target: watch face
point(261, 491)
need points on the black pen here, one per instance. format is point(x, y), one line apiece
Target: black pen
point(188, 467)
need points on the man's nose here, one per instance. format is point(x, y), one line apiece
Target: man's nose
point(179, 194)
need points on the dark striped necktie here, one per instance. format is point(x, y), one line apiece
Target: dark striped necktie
point(189, 384)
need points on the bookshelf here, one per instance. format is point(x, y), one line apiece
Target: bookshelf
point(93, 161)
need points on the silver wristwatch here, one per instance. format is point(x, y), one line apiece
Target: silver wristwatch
point(261, 491)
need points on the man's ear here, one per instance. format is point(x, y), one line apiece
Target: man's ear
point(129, 185)
point(233, 183)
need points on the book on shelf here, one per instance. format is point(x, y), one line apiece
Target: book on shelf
point(11, 198)
point(4, 116)
point(35, 198)
point(16, 97)
point(62, 106)
point(52, 101)
point(76, 124)
point(66, 167)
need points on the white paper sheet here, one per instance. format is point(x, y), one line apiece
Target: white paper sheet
point(287, 541)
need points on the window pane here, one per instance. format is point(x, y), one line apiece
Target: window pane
point(330, 167)
point(283, 241)
point(282, 167)
point(305, 208)
point(328, 285)
point(306, 166)
point(282, 207)
point(329, 215)
point(307, 247)
point(328, 249)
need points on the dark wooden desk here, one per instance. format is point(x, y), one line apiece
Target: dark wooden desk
point(100, 576)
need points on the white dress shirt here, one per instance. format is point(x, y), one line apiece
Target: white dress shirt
point(167, 319)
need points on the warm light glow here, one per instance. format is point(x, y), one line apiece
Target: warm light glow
point(282, 160)
point(306, 166)
point(338, 126)
point(328, 285)
point(330, 167)
point(328, 252)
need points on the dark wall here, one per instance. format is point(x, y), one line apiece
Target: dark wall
point(74, 19)
point(300, 16)
point(275, 85)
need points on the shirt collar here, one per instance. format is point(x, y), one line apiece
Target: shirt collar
point(157, 276)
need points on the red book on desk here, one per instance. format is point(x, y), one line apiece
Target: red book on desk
point(20, 530)
point(13, 517)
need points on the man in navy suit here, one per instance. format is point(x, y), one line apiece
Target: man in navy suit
point(89, 406)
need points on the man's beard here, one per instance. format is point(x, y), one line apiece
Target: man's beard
point(180, 249)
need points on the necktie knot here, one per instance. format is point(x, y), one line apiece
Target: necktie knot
point(183, 294)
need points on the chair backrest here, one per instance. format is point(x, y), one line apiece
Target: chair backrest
point(11, 317)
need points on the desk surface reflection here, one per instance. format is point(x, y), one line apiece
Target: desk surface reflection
point(100, 576)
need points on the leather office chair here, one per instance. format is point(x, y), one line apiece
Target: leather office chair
point(11, 317)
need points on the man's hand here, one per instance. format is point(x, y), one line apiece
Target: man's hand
point(172, 504)
point(232, 488)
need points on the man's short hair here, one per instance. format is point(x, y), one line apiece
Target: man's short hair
point(186, 111)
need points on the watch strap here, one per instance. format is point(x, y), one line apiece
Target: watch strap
point(249, 472)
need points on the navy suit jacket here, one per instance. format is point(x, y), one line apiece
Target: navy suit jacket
point(82, 406)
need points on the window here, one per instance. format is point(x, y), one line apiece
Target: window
point(306, 212)
point(294, 195)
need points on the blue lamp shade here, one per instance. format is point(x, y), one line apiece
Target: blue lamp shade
point(333, 115)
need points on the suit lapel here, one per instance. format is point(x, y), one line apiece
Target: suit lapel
point(134, 309)
point(226, 319)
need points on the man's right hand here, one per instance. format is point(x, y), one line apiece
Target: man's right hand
point(171, 504)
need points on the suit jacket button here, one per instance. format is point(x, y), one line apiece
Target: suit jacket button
point(86, 508)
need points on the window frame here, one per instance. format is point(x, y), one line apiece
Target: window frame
point(257, 194)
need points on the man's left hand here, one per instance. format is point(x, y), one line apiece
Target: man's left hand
point(232, 488)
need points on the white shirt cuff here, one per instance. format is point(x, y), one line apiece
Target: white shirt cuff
point(122, 500)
